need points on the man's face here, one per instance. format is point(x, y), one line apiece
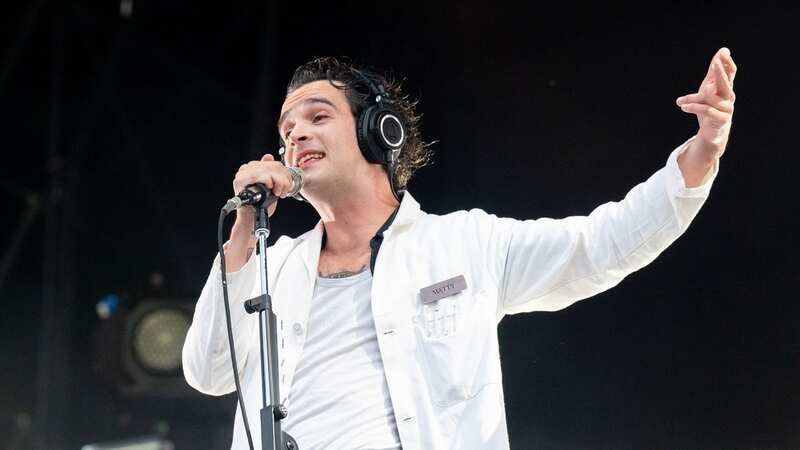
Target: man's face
point(318, 129)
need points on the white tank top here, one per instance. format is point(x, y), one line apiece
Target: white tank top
point(339, 398)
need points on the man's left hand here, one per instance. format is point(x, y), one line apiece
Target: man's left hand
point(713, 106)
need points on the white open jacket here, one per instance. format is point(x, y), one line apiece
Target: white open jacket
point(446, 388)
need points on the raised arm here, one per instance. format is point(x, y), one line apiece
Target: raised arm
point(550, 264)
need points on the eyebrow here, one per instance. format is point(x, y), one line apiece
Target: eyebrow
point(308, 101)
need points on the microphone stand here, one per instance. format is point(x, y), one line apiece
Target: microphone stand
point(272, 437)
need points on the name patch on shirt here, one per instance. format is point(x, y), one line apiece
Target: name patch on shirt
point(443, 289)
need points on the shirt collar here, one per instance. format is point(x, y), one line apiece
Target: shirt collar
point(377, 240)
point(404, 215)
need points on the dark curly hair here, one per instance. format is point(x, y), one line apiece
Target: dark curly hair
point(415, 152)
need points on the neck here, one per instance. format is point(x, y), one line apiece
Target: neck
point(352, 219)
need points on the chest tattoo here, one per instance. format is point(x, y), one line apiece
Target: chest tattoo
point(344, 274)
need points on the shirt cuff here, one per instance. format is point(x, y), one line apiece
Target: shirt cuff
point(676, 182)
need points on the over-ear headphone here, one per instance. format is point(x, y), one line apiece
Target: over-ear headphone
point(380, 132)
point(379, 128)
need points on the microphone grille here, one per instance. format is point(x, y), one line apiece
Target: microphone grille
point(297, 180)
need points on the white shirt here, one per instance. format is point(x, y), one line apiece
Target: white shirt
point(339, 398)
point(446, 390)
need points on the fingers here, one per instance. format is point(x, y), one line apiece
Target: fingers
point(716, 89)
point(268, 157)
point(268, 172)
point(709, 98)
point(696, 108)
point(727, 62)
point(721, 81)
point(717, 118)
point(691, 98)
point(713, 102)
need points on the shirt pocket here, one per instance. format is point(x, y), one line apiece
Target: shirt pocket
point(453, 338)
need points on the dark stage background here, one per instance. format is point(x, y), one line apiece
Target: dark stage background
point(127, 130)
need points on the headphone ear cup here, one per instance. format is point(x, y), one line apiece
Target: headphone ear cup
point(365, 130)
point(380, 134)
point(390, 133)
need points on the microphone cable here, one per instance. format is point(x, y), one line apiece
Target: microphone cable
point(223, 213)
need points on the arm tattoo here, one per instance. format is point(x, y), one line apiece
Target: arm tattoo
point(343, 274)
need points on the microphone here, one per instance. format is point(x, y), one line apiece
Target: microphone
point(258, 194)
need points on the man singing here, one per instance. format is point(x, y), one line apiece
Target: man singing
point(387, 315)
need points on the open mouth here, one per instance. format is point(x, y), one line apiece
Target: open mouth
point(309, 158)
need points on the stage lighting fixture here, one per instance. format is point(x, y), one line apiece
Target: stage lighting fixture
point(144, 443)
point(152, 345)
